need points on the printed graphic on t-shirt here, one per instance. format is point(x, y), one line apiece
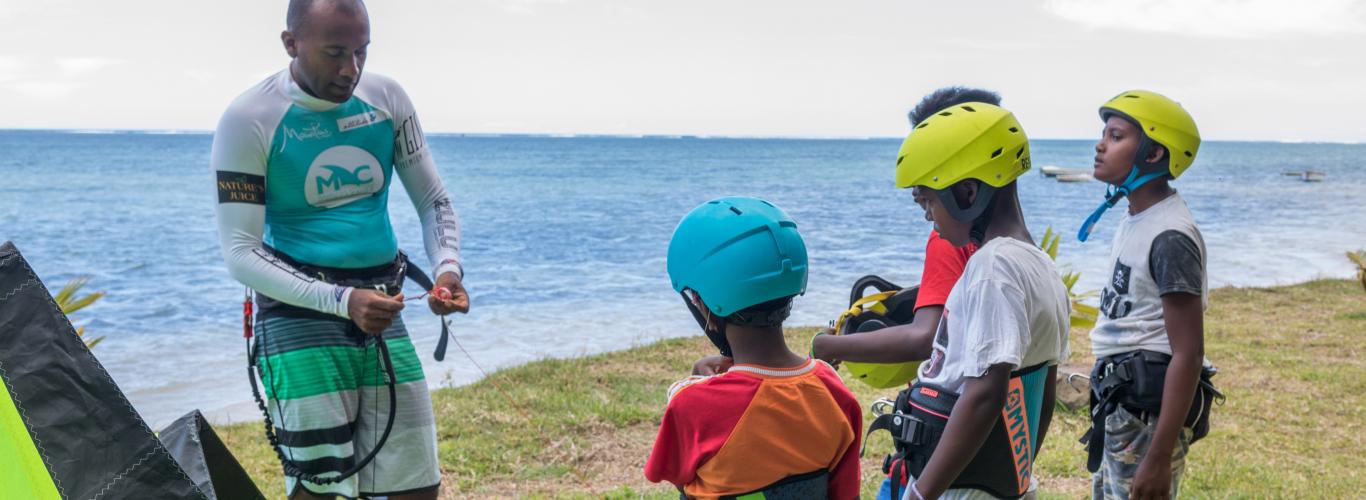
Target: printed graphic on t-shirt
point(342, 174)
point(941, 343)
point(1113, 301)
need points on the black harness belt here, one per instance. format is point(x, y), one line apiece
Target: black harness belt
point(1135, 380)
point(922, 412)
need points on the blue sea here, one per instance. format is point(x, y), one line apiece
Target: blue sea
point(565, 238)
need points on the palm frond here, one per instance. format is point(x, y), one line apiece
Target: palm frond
point(69, 290)
point(1082, 315)
point(66, 299)
point(81, 303)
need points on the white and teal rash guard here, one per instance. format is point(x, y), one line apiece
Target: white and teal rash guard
point(310, 178)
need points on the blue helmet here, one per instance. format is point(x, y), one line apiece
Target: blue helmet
point(736, 253)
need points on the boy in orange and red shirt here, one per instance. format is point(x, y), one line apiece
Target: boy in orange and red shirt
point(775, 422)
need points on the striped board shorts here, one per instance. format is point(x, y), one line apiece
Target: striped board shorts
point(328, 395)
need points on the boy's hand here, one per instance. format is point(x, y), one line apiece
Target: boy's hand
point(1153, 479)
point(715, 364)
point(823, 354)
point(372, 311)
point(449, 296)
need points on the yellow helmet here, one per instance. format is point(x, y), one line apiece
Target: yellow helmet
point(891, 306)
point(966, 141)
point(1163, 121)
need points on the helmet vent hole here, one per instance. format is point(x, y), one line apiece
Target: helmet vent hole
point(996, 153)
point(969, 109)
point(1131, 96)
point(922, 125)
point(1152, 129)
point(903, 157)
point(736, 210)
point(1019, 153)
point(1189, 155)
point(1014, 130)
point(945, 113)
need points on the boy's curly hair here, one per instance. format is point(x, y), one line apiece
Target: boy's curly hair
point(949, 96)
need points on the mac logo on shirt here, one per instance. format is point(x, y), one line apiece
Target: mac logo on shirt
point(341, 175)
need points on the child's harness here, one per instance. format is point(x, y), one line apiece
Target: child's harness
point(921, 413)
point(1135, 380)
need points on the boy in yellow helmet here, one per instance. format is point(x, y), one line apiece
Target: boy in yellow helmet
point(1152, 308)
point(974, 419)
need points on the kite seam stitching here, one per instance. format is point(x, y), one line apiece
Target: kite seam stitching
point(118, 477)
point(16, 291)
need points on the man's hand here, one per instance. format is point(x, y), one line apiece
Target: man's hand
point(712, 365)
point(449, 296)
point(372, 311)
point(1153, 479)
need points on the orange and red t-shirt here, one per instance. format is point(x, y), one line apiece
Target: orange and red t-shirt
point(753, 426)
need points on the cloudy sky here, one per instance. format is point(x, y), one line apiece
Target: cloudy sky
point(1247, 69)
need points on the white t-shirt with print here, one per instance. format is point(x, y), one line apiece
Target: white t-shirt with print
point(1009, 306)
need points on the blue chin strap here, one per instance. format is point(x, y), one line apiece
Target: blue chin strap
point(1113, 195)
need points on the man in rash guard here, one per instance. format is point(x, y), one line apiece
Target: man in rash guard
point(303, 161)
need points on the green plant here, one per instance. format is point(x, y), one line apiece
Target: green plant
point(1359, 258)
point(1083, 315)
point(67, 300)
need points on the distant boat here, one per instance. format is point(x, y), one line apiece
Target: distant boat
point(1055, 171)
point(1307, 175)
point(1075, 177)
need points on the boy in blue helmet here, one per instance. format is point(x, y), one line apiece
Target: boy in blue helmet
point(775, 423)
point(1152, 309)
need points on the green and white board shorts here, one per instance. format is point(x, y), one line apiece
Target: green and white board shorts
point(327, 391)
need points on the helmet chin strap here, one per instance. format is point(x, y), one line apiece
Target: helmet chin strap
point(978, 213)
point(1113, 194)
point(716, 336)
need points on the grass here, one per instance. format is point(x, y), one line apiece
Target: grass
point(1290, 361)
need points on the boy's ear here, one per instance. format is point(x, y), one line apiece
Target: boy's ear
point(965, 192)
point(1156, 153)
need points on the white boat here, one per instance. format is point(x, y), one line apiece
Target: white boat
point(1054, 171)
point(1307, 175)
point(1086, 177)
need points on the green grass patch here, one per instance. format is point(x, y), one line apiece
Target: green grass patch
point(1290, 361)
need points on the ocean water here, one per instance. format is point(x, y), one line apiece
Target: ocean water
point(565, 238)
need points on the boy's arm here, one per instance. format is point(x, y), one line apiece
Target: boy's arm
point(943, 266)
point(895, 344)
point(670, 459)
point(1184, 317)
point(977, 409)
point(1176, 264)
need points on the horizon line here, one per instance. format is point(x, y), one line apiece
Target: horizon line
point(560, 135)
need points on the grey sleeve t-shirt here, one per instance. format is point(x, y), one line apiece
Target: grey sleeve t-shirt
point(1176, 264)
point(1155, 252)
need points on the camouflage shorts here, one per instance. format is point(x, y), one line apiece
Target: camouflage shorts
point(1127, 439)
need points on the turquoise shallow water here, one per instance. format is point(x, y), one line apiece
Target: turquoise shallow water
point(565, 237)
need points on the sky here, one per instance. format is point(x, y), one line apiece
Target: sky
point(1246, 69)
